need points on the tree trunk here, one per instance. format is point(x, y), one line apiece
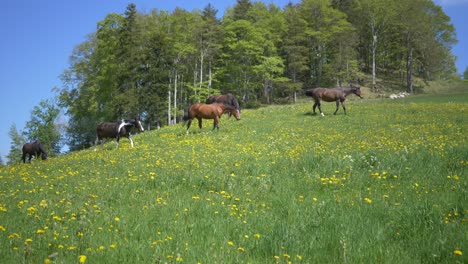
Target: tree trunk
point(209, 78)
point(175, 97)
point(169, 105)
point(409, 67)
point(374, 48)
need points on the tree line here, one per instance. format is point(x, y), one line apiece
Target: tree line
point(152, 65)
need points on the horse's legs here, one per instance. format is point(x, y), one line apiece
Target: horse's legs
point(215, 123)
point(344, 107)
point(24, 158)
point(188, 125)
point(337, 106)
point(130, 138)
point(313, 108)
point(199, 122)
point(320, 108)
point(117, 139)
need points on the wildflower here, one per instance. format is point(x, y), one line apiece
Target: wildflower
point(29, 240)
point(117, 219)
point(46, 261)
point(240, 249)
point(458, 252)
point(230, 243)
point(82, 259)
point(40, 231)
point(368, 200)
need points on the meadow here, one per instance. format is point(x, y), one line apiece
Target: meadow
point(386, 183)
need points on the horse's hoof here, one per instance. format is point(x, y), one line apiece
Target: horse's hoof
point(322, 114)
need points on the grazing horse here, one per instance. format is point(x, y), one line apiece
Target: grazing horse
point(33, 149)
point(332, 95)
point(117, 130)
point(228, 99)
point(209, 111)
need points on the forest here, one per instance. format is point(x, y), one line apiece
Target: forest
point(153, 65)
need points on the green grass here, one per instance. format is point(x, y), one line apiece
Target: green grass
point(386, 183)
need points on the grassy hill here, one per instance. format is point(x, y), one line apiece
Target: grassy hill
point(386, 183)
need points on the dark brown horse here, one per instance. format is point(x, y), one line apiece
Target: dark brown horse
point(116, 130)
point(34, 148)
point(209, 111)
point(228, 99)
point(332, 95)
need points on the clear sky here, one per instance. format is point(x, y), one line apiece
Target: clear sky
point(38, 37)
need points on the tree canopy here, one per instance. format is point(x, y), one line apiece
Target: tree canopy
point(152, 65)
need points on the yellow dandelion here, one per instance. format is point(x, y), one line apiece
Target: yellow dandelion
point(257, 236)
point(46, 261)
point(117, 219)
point(240, 249)
point(40, 231)
point(82, 259)
point(230, 243)
point(458, 252)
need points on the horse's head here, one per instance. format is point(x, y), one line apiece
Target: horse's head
point(236, 113)
point(356, 90)
point(138, 124)
point(42, 150)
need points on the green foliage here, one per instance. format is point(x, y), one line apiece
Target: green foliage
point(43, 126)
point(135, 61)
point(280, 185)
point(17, 141)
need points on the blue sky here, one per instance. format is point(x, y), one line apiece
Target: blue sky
point(38, 37)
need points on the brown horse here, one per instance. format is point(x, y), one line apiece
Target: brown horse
point(332, 95)
point(228, 99)
point(33, 149)
point(209, 111)
point(117, 130)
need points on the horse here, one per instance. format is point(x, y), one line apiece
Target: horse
point(33, 149)
point(209, 111)
point(116, 130)
point(332, 95)
point(228, 99)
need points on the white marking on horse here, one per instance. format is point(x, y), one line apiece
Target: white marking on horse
point(122, 125)
point(141, 126)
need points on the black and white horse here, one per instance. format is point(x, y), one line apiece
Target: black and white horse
point(116, 130)
point(33, 149)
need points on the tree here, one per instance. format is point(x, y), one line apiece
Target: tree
point(17, 141)
point(43, 127)
point(377, 15)
point(465, 74)
point(326, 28)
point(428, 37)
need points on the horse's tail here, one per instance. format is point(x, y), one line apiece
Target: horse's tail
point(309, 92)
point(187, 115)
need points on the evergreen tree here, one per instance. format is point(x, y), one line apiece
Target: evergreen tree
point(43, 127)
point(17, 141)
